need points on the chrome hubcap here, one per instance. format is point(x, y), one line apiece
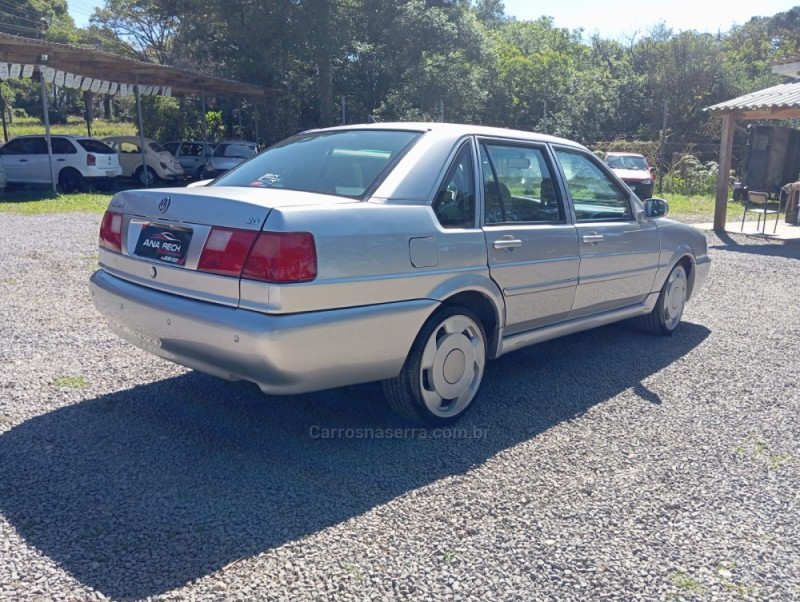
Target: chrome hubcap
point(452, 366)
point(674, 298)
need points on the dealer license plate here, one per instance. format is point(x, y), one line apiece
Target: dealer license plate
point(163, 244)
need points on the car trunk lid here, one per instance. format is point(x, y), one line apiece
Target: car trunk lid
point(190, 243)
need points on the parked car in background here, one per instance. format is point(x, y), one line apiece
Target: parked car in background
point(408, 253)
point(160, 164)
point(78, 162)
point(190, 154)
point(634, 171)
point(228, 154)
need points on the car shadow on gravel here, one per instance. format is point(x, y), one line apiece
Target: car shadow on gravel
point(140, 491)
point(789, 249)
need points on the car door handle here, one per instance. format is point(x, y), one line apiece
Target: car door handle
point(592, 238)
point(507, 243)
point(61, 160)
point(23, 160)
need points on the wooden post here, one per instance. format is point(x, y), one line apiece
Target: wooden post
point(46, 112)
point(723, 176)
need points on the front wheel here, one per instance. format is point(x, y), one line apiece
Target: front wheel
point(666, 315)
point(443, 371)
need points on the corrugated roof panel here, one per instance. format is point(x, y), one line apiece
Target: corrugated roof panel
point(782, 96)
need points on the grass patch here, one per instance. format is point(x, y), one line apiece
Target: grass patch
point(39, 201)
point(70, 382)
point(75, 126)
point(680, 204)
point(687, 583)
point(700, 208)
point(757, 449)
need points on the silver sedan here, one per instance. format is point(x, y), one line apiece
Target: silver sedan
point(408, 253)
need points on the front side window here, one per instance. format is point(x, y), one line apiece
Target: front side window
point(26, 146)
point(454, 204)
point(345, 163)
point(595, 195)
point(518, 185)
point(18, 146)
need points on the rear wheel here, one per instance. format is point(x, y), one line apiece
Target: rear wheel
point(666, 315)
point(201, 172)
point(70, 180)
point(443, 371)
point(146, 176)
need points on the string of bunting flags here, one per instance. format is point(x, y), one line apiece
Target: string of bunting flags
point(64, 79)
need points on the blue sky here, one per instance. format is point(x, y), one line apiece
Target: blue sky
point(622, 18)
point(609, 18)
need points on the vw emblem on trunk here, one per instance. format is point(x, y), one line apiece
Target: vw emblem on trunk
point(164, 204)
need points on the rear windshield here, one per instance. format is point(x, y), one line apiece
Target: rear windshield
point(155, 146)
point(95, 146)
point(345, 163)
point(235, 150)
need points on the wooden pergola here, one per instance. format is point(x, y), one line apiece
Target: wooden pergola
point(98, 64)
point(777, 102)
point(115, 73)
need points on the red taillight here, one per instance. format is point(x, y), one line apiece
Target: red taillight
point(111, 231)
point(279, 257)
point(282, 257)
point(91, 160)
point(225, 251)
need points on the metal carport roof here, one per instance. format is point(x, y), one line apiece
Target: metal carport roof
point(778, 102)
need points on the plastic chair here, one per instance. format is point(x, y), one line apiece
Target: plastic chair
point(758, 203)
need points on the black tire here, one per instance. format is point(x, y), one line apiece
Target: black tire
point(201, 172)
point(447, 357)
point(71, 180)
point(666, 315)
point(146, 176)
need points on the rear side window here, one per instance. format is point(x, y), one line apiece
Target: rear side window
point(129, 148)
point(345, 163)
point(95, 146)
point(518, 185)
point(454, 204)
point(62, 146)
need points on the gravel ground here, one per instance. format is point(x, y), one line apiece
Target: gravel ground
point(609, 465)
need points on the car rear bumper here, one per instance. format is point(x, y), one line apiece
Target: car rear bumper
point(283, 354)
point(101, 173)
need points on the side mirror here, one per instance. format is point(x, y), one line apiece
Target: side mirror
point(656, 208)
point(652, 171)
